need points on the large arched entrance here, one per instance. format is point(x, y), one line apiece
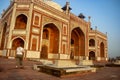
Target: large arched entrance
point(16, 42)
point(92, 55)
point(102, 51)
point(77, 43)
point(50, 40)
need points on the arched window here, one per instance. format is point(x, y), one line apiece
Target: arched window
point(21, 22)
point(91, 42)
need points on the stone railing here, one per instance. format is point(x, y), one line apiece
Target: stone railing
point(98, 32)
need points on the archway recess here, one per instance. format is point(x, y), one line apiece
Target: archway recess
point(50, 40)
point(21, 22)
point(92, 43)
point(91, 55)
point(15, 43)
point(77, 43)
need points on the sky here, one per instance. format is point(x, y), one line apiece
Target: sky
point(105, 14)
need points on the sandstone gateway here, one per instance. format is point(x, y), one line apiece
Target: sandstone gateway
point(48, 31)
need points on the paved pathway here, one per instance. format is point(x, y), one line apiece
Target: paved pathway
point(9, 72)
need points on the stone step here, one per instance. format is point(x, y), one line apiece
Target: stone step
point(80, 69)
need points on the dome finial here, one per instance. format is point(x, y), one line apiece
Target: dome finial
point(67, 7)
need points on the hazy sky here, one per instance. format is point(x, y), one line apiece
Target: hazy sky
point(105, 14)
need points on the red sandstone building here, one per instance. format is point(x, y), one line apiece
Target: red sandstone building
point(48, 31)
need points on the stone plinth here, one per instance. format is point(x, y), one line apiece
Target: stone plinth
point(65, 63)
point(86, 62)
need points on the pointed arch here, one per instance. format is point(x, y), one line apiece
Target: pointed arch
point(50, 38)
point(77, 42)
point(16, 42)
point(53, 23)
point(91, 42)
point(21, 22)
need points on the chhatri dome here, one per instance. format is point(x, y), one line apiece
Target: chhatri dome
point(53, 4)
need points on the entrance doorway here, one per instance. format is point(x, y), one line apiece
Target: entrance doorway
point(91, 55)
point(16, 42)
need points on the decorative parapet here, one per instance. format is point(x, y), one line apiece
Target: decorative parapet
point(44, 5)
point(77, 19)
point(51, 9)
point(98, 33)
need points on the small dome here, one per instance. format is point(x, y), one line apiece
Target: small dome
point(54, 5)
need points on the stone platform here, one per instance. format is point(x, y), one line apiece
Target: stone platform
point(59, 72)
point(63, 67)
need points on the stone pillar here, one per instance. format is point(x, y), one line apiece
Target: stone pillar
point(28, 26)
point(87, 57)
point(98, 58)
point(12, 24)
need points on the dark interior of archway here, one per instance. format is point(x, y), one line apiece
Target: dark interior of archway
point(17, 42)
point(79, 42)
point(92, 42)
point(51, 31)
point(91, 55)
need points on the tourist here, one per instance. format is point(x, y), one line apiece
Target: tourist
point(19, 57)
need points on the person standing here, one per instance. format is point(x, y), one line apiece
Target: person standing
point(19, 56)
